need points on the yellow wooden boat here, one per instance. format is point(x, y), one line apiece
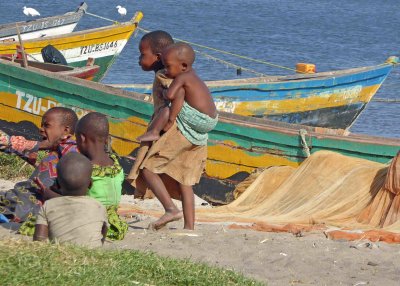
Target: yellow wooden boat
point(103, 44)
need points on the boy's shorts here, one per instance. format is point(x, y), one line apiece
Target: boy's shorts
point(173, 155)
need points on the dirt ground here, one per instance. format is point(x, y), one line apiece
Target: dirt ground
point(275, 258)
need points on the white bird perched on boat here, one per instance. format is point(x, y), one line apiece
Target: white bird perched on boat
point(121, 10)
point(31, 12)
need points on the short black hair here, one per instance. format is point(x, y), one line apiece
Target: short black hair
point(94, 125)
point(68, 116)
point(74, 173)
point(184, 52)
point(158, 40)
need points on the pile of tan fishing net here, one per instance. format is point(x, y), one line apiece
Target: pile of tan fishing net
point(347, 198)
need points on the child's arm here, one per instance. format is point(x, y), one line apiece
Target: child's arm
point(176, 94)
point(41, 232)
point(104, 230)
point(47, 193)
point(41, 227)
point(20, 146)
point(176, 106)
point(174, 88)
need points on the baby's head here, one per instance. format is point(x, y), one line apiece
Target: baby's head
point(74, 173)
point(91, 130)
point(58, 124)
point(177, 58)
point(151, 45)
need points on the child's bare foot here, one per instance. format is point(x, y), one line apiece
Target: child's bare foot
point(148, 136)
point(166, 218)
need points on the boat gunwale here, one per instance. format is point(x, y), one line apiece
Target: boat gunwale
point(113, 27)
point(79, 11)
point(234, 83)
point(299, 77)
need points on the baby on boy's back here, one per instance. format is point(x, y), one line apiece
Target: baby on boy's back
point(191, 101)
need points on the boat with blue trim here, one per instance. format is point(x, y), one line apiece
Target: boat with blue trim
point(332, 99)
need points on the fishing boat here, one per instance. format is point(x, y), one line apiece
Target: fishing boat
point(237, 146)
point(332, 99)
point(103, 44)
point(42, 27)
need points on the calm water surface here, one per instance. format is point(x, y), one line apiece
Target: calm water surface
point(331, 34)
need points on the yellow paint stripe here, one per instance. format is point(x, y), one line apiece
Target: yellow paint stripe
point(124, 133)
point(222, 166)
point(122, 32)
point(270, 107)
point(15, 115)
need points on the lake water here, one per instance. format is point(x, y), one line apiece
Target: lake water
point(331, 34)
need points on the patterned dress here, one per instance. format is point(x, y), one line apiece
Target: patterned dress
point(24, 200)
point(107, 188)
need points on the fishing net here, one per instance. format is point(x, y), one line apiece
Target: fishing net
point(347, 197)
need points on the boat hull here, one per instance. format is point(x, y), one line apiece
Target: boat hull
point(101, 44)
point(237, 146)
point(43, 27)
point(330, 99)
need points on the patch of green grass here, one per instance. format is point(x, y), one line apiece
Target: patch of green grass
point(12, 167)
point(35, 263)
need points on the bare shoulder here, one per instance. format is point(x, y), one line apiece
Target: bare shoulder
point(191, 78)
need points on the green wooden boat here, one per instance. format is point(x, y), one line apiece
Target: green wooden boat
point(237, 146)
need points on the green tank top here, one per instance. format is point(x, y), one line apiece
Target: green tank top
point(107, 183)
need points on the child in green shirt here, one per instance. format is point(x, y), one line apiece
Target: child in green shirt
point(92, 132)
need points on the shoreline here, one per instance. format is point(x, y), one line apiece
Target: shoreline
point(274, 258)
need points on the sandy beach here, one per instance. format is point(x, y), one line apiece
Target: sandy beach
point(275, 258)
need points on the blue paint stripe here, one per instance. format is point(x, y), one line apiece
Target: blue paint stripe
point(294, 88)
point(289, 90)
point(317, 83)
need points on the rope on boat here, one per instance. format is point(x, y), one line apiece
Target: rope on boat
point(32, 57)
point(101, 17)
point(237, 67)
point(304, 144)
point(391, 60)
point(387, 100)
point(227, 53)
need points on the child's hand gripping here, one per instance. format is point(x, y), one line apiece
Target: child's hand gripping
point(47, 193)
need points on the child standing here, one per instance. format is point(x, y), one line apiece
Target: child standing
point(175, 162)
point(150, 47)
point(74, 217)
point(92, 134)
point(57, 127)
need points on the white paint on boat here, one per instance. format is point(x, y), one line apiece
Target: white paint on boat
point(53, 31)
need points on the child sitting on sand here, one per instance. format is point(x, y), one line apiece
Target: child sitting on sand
point(92, 132)
point(23, 202)
point(198, 112)
point(74, 217)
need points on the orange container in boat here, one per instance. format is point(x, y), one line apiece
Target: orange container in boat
point(305, 68)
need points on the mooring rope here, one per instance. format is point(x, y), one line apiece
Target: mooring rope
point(226, 52)
point(386, 100)
point(306, 149)
point(101, 17)
point(237, 67)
